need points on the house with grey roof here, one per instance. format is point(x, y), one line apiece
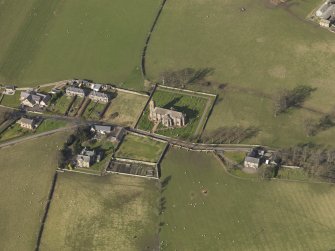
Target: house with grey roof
point(99, 97)
point(75, 91)
point(167, 117)
point(31, 99)
point(86, 158)
point(9, 90)
point(101, 129)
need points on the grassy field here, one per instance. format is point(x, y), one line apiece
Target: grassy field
point(24, 189)
point(140, 148)
point(127, 107)
point(214, 211)
point(55, 40)
point(3, 112)
point(193, 106)
point(102, 213)
point(255, 53)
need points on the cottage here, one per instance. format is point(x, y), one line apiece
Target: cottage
point(252, 162)
point(99, 97)
point(74, 91)
point(168, 118)
point(86, 158)
point(31, 99)
point(27, 123)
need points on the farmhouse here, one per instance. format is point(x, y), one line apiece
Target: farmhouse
point(99, 97)
point(114, 135)
point(31, 99)
point(86, 158)
point(74, 91)
point(168, 118)
point(27, 123)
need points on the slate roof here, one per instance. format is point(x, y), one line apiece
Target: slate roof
point(173, 114)
point(252, 160)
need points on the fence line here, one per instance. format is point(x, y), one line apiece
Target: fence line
point(186, 90)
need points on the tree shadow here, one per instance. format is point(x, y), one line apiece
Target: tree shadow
point(201, 74)
point(165, 182)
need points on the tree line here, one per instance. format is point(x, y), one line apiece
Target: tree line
point(316, 160)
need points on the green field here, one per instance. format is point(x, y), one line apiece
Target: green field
point(140, 148)
point(45, 41)
point(102, 213)
point(3, 113)
point(26, 172)
point(194, 106)
point(204, 208)
point(125, 109)
point(255, 52)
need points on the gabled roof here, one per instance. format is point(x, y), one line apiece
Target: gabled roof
point(102, 128)
point(26, 121)
point(75, 90)
point(98, 94)
point(252, 160)
point(173, 114)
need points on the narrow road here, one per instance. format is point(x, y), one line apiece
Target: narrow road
point(198, 146)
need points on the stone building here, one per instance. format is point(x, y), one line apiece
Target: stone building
point(99, 97)
point(74, 91)
point(31, 99)
point(167, 117)
point(27, 123)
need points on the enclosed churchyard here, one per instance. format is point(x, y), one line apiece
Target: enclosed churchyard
point(194, 106)
point(141, 148)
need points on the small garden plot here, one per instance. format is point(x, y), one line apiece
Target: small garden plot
point(61, 105)
point(75, 106)
point(11, 100)
point(132, 168)
point(125, 109)
point(140, 148)
point(94, 111)
point(195, 106)
point(50, 124)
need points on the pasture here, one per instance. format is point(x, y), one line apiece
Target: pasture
point(204, 208)
point(46, 41)
point(112, 212)
point(254, 53)
point(196, 107)
point(125, 109)
point(140, 148)
point(26, 171)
